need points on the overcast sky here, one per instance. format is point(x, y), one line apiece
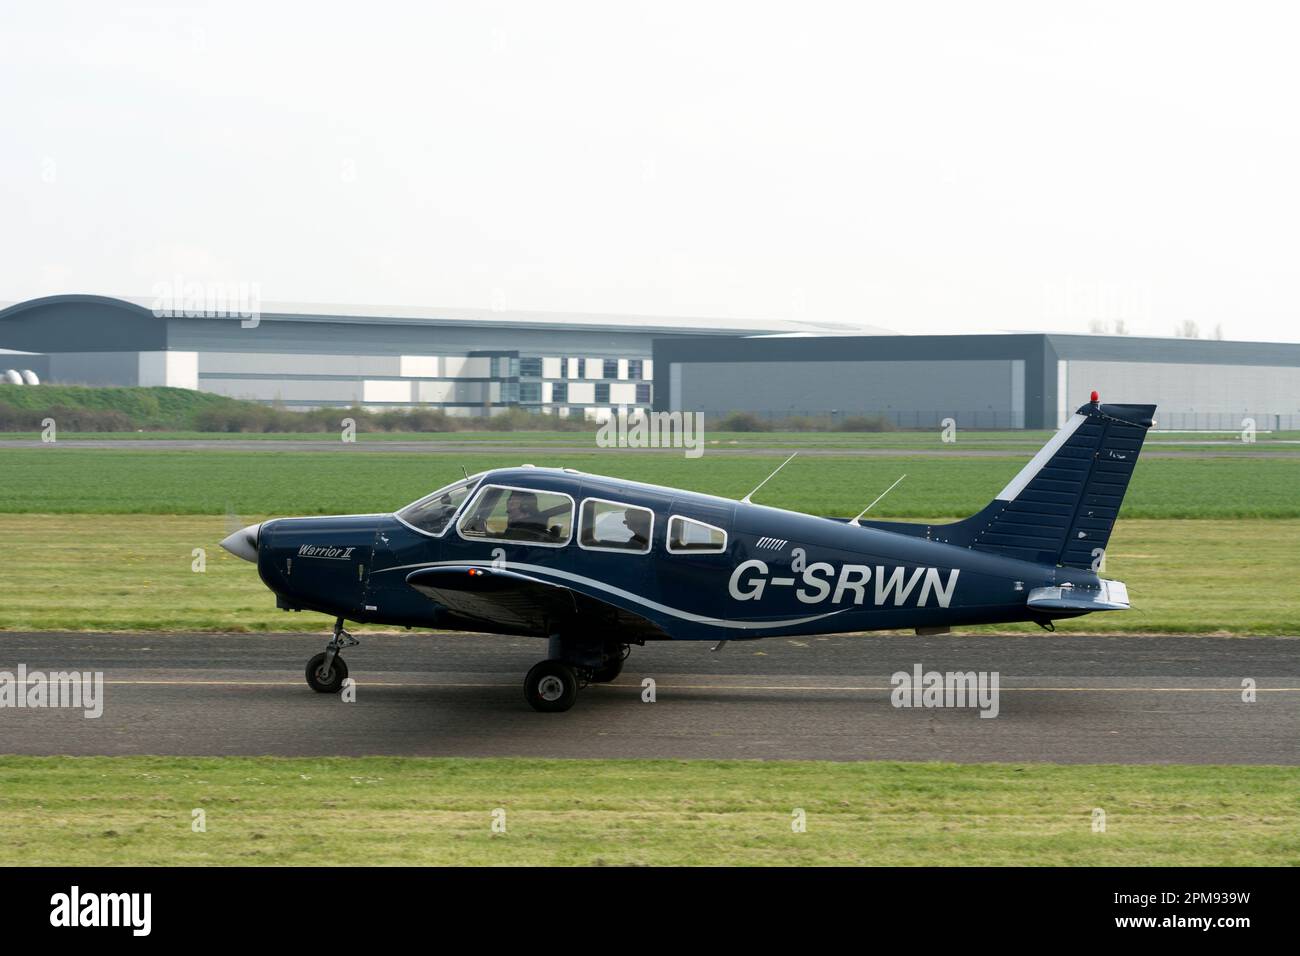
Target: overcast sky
point(921, 167)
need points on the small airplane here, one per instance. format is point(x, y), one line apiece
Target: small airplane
point(597, 564)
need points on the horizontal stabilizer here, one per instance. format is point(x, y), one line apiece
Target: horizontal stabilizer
point(1111, 596)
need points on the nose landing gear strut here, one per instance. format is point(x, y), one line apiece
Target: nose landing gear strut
point(326, 672)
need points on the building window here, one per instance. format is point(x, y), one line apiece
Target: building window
point(559, 393)
point(530, 368)
point(530, 391)
point(633, 368)
point(610, 368)
point(643, 393)
point(602, 393)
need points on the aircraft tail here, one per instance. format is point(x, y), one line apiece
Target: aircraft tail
point(1061, 507)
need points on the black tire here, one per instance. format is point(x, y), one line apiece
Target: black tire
point(330, 683)
point(608, 671)
point(551, 687)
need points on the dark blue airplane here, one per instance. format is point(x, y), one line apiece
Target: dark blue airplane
point(597, 564)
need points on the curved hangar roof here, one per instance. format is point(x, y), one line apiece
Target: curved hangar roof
point(96, 322)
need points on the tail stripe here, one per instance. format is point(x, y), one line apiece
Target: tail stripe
point(1039, 461)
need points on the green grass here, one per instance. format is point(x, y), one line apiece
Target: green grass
point(59, 479)
point(1010, 441)
point(97, 811)
point(133, 573)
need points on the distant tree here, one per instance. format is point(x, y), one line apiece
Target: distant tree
point(1121, 327)
point(1187, 329)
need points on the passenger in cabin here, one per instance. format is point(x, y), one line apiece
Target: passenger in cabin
point(638, 523)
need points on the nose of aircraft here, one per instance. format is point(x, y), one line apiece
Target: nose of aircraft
point(243, 543)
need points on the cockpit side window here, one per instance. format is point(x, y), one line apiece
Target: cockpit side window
point(433, 513)
point(688, 536)
point(612, 526)
point(520, 515)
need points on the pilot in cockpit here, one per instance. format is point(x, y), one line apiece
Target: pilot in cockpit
point(524, 520)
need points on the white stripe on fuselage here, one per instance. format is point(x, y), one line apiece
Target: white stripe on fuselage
point(628, 595)
point(1044, 455)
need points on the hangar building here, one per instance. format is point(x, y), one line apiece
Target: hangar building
point(468, 362)
point(464, 362)
point(981, 381)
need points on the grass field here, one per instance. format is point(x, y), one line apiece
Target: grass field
point(52, 479)
point(133, 572)
point(103, 540)
point(1225, 443)
point(365, 811)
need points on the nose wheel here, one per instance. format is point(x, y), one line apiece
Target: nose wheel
point(327, 671)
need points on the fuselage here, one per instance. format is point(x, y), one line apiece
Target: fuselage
point(769, 572)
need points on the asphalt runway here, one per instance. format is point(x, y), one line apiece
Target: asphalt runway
point(1062, 699)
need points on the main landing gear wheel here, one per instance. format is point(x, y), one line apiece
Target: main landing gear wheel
point(612, 667)
point(551, 687)
point(326, 678)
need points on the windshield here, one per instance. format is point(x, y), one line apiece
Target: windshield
point(432, 513)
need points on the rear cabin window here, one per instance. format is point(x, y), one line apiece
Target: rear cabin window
point(522, 515)
point(610, 526)
point(688, 536)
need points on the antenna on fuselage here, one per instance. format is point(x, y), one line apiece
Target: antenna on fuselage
point(745, 500)
point(854, 522)
point(464, 472)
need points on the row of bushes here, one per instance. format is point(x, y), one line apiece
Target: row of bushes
point(246, 417)
point(267, 418)
point(149, 408)
point(65, 417)
point(749, 422)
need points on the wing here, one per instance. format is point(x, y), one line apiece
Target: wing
point(514, 603)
